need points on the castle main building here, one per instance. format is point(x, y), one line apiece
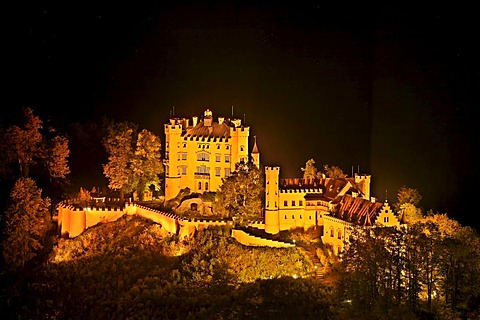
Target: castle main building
point(200, 153)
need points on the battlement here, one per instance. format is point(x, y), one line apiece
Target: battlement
point(206, 139)
point(362, 176)
point(272, 168)
point(301, 190)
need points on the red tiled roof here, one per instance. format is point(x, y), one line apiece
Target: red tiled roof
point(216, 130)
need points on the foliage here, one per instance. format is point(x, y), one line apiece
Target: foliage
point(388, 272)
point(146, 164)
point(25, 224)
point(333, 172)
point(118, 144)
point(56, 157)
point(133, 269)
point(310, 171)
point(409, 213)
point(134, 162)
point(407, 195)
point(241, 194)
point(25, 141)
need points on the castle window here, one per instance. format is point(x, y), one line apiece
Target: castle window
point(203, 170)
point(203, 156)
point(285, 217)
point(218, 146)
point(300, 203)
point(218, 158)
point(199, 185)
point(332, 232)
point(241, 148)
point(183, 170)
point(339, 234)
point(385, 219)
point(310, 217)
point(182, 156)
point(293, 216)
point(275, 204)
point(285, 203)
point(217, 172)
point(184, 145)
point(206, 186)
point(293, 203)
point(339, 250)
point(300, 216)
point(227, 172)
point(227, 158)
point(227, 147)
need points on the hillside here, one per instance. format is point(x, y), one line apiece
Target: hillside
point(132, 269)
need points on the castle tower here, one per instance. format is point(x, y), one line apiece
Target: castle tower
point(363, 181)
point(272, 221)
point(200, 155)
point(173, 132)
point(255, 153)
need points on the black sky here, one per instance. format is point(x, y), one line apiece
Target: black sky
point(389, 89)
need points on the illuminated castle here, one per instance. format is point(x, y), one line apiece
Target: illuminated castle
point(333, 205)
point(200, 153)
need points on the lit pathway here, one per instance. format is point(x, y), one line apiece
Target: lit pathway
point(316, 263)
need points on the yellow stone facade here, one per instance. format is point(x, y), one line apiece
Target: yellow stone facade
point(200, 152)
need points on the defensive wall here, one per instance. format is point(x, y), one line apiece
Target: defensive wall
point(73, 221)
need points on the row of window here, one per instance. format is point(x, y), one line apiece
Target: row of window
point(200, 185)
point(182, 170)
point(293, 217)
point(339, 233)
point(206, 146)
point(202, 156)
point(285, 203)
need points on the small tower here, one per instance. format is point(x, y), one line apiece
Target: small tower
point(255, 153)
point(272, 221)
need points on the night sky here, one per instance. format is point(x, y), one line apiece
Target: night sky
point(386, 90)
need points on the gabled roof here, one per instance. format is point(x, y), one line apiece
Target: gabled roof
point(356, 210)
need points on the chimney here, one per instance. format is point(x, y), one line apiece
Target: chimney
point(194, 120)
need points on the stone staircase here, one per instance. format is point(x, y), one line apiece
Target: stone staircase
point(319, 275)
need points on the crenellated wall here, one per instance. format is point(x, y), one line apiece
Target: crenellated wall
point(74, 221)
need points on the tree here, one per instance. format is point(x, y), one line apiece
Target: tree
point(241, 194)
point(25, 225)
point(25, 142)
point(56, 157)
point(118, 143)
point(310, 171)
point(333, 172)
point(407, 195)
point(147, 165)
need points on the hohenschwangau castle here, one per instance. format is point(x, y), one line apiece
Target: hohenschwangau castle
point(201, 151)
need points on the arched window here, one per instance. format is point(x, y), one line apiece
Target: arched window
point(199, 185)
point(331, 232)
point(339, 234)
point(206, 186)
